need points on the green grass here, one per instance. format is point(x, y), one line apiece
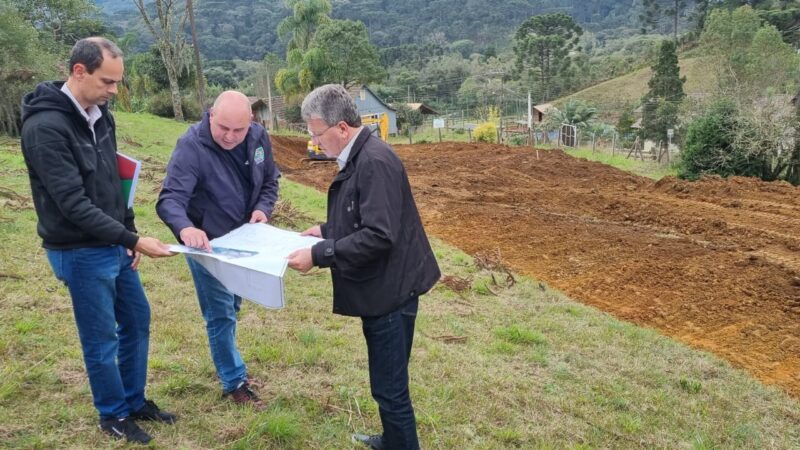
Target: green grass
point(612, 96)
point(430, 135)
point(647, 168)
point(516, 367)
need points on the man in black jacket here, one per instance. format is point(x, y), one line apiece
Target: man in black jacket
point(88, 233)
point(377, 250)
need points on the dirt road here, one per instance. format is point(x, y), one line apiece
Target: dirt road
point(714, 263)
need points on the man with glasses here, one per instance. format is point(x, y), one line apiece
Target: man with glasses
point(220, 176)
point(378, 253)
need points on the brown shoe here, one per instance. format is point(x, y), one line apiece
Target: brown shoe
point(245, 396)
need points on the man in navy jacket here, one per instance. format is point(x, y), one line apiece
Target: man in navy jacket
point(378, 253)
point(221, 176)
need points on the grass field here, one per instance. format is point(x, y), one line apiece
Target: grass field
point(646, 168)
point(613, 96)
point(495, 364)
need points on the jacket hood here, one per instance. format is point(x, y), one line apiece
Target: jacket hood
point(203, 130)
point(47, 97)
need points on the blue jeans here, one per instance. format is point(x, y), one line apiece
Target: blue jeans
point(219, 307)
point(113, 319)
point(389, 339)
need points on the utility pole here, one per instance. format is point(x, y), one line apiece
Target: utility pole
point(272, 119)
point(530, 120)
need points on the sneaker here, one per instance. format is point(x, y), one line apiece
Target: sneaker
point(150, 411)
point(243, 395)
point(375, 442)
point(125, 427)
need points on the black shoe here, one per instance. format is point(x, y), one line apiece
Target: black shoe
point(375, 442)
point(124, 428)
point(150, 411)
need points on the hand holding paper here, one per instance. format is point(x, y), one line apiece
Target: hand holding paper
point(301, 260)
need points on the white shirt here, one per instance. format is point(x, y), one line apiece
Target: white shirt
point(92, 115)
point(341, 160)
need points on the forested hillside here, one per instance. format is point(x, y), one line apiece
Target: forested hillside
point(246, 29)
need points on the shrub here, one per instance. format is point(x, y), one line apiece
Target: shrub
point(486, 132)
point(160, 104)
point(518, 140)
point(711, 148)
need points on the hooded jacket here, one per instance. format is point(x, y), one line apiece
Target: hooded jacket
point(202, 189)
point(75, 184)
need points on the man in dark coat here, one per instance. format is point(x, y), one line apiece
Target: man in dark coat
point(220, 176)
point(376, 248)
point(87, 230)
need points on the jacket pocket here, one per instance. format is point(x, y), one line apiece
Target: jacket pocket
point(361, 274)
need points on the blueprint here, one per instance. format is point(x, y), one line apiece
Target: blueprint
point(250, 261)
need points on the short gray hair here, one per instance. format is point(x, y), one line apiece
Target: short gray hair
point(331, 103)
point(89, 52)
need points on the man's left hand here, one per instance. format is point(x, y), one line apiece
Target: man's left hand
point(258, 217)
point(136, 258)
point(301, 260)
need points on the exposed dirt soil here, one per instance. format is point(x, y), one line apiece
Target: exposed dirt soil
point(714, 263)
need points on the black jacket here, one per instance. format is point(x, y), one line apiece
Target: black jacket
point(374, 241)
point(74, 181)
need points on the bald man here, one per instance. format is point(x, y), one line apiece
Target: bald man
point(221, 176)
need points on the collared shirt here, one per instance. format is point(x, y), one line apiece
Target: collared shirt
point(341, 160)
point(92, 115)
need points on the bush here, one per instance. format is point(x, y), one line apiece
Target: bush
point(710, 146)
point(518, 140)
point(486, 132)
point(160, 104)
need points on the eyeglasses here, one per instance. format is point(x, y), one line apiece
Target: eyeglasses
point(318, 135)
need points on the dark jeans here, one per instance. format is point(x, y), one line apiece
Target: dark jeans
point(113, 319)
point(389, 339)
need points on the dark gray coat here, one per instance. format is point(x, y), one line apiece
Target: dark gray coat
point(374, 241)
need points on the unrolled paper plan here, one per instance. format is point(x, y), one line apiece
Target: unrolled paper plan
point(250, 261)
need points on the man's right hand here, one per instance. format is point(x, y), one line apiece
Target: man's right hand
point(152, 247)
point(195, 238)
point(315, 231)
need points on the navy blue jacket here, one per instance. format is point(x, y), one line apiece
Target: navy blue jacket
point(203, 190)
point(374, 242)
point(74, 180)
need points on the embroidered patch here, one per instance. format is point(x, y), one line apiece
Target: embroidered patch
point(258, 157)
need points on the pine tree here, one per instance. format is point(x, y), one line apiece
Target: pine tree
point(666, 81)
point(660, 111)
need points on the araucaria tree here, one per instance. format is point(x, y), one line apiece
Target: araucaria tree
point(660, 104)
point(542, 46)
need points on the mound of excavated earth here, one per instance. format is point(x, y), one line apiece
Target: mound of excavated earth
point(714, 263)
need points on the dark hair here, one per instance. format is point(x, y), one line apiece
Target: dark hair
point(89, 52)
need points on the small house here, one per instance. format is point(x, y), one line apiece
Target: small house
point(260, 108)
point(369, 103)
point(423, 109)
point(540, 112)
